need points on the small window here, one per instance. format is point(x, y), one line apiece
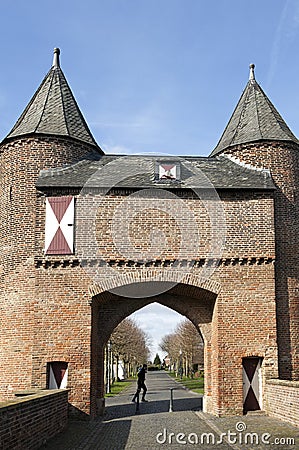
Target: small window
point(167, 171)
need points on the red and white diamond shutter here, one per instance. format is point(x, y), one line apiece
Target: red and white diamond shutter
point(58, 371)
point(252, 384)
point(59, 230)
point(167, 171)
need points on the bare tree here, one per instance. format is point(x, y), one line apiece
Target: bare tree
point(129, 343)
point(182, 346)
point(170, 345)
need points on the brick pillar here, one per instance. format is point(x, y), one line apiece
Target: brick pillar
point(206, 333)
point(282, 159)
point(97, 388)
point(20, 163)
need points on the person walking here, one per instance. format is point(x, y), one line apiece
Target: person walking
point(141, 383)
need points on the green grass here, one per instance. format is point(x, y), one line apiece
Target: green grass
point(193, 384)
point(117, 387)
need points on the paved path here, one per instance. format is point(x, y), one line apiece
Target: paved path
point(157, 428)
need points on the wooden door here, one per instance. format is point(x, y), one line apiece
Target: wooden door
point(252, 384)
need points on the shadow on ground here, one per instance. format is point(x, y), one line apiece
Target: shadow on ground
point(81, 435)
point(152, 407)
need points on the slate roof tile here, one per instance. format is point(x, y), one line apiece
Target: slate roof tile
point(53, 110)
point(255, 118)
point(139, 172)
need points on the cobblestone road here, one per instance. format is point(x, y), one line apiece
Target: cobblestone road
point(185, 427)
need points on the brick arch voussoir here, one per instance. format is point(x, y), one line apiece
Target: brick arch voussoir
point(177, 277)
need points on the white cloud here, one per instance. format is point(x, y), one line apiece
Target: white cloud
point(116, 149)
point(286, 30)
point(157, 321)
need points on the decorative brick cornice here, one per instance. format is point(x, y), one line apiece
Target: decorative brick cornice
point(54, 262)
point(247, 261)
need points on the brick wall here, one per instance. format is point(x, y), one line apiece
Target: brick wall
point(20, 163)
point(61, 297)
point(59, 316)
point(62, 329)
point(28, 422)
point(283, 161)
point(152, 232)
point(245, 327)
point(282, 400)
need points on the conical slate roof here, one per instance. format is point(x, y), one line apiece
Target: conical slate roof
point(255, 118)
point(53, 110)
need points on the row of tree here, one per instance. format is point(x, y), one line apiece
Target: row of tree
point(129, 344)
point(129, 347)
point(184, 348)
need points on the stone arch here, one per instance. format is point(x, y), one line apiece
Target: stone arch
point(194, 301)
point(152, 275)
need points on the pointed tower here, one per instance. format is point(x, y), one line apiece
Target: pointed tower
point(254, 119)
point(50, 133)
point(53, 111)
point(257, 134)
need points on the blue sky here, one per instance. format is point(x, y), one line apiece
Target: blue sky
point(158, 76)
point(152, 76)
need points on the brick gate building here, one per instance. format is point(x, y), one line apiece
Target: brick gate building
point(87, 239)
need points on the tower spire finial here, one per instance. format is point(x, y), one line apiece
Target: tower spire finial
point(56, 58)
point(251, 76)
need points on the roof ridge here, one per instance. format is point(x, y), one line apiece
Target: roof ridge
point(222, 174)
point(246, 95)
point(236, 160)
point(60, 74)
point(45, 102)
point(256, 87)
point(64, 168)
point(70, 166)
point(280, 121)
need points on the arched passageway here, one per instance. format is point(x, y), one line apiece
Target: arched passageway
point(109, 309)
